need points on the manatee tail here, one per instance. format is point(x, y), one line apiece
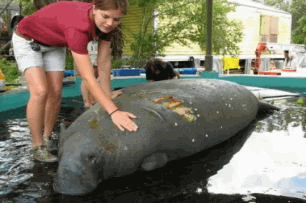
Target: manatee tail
point(266, 106)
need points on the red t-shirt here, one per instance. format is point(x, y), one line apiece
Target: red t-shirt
point(62, 24)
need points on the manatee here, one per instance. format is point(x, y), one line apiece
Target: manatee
point(176, 119)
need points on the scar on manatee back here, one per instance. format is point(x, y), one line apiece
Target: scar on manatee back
point(157, 101)
point(173, 104)
point(176, 106)
point(93, 123)
point(107, 147)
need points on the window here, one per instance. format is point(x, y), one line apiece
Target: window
point(268, 28)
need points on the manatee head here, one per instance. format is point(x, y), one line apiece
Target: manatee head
point(79, 166)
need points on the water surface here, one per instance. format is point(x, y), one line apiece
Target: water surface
point(265, 162)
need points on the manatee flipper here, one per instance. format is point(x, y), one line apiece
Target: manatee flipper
point(266, 106)
point(154, 161)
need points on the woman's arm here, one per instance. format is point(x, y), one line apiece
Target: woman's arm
point(104, 66)
point(84, 66)
point(120, 119)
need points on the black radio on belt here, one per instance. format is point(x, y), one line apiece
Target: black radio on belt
point(34, 45)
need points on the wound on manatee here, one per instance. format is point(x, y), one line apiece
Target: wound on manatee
point(173, 104)
point(143, 94)
point(182, 110)
point(157, 101)
point(107, 147)
point(189, 117)
point(176, 106)
point(93, 122)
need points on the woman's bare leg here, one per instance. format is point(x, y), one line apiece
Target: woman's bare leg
point(55, 83)
point(38, 88)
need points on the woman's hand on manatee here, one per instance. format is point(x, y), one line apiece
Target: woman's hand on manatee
point(123, 120)
point(116, 93)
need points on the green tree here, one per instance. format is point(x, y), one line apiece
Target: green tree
point(144, 40)
point(298, 21)
point(226, 33)
point(184, 22)
point(117, 42)
point(28, 7)
point(281, 4)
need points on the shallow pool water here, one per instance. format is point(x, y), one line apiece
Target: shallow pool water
point(265, 162)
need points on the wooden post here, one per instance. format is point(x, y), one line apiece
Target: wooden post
point(209, 57)
point(8, 22)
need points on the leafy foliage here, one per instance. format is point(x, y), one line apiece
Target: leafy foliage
point(298, 10)
point(145, 44)
point(117, 42)
point(281, 4)
point(226, 33)
point(69, 61)
point(184, 22)
point(27, 6)
point(9, 70)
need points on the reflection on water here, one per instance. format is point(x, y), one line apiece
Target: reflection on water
point(265, 162)
point(272, 161)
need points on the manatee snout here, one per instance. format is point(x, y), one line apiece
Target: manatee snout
point(78, 168)
point(76, 176)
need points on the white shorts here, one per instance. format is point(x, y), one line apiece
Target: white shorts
point(93, 52)
point(50, 58)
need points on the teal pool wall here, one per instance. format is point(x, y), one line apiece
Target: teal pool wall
point(18, 99)
point(297, 85)
point(11, 100)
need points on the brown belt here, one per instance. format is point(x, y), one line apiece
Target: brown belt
point(28, 38)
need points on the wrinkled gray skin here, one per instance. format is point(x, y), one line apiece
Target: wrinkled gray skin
point(90, 153)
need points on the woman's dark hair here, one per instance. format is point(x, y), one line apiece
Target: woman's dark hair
point(157, 70)
point(111, 4)
point(16, 20)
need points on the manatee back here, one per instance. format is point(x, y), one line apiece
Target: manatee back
point(176, 117)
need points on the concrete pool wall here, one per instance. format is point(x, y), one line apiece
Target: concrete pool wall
point(18, 98)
